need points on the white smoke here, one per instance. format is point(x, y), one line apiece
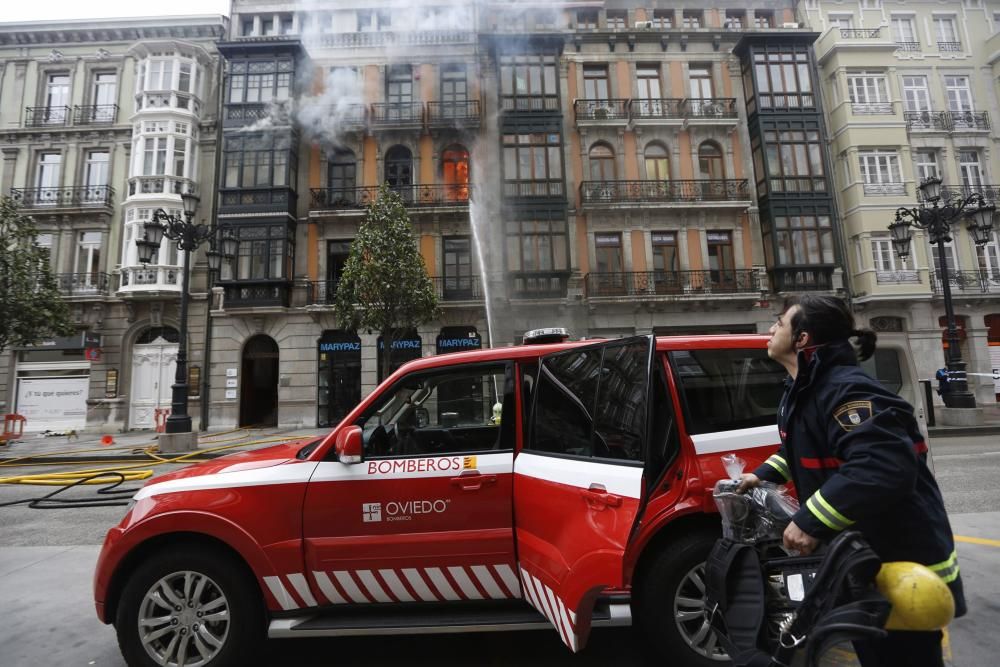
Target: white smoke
point(328, 115)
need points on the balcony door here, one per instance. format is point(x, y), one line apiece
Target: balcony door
point(458, 270)
point(56, 98)
point(96, 177)
point(47, 178)
point(454, 91)
point(88, 259)
point(721, 264)
point(399, 172)
point(610, 263)
point(959, 93)
point(399, 91)
point(337, 253)
point(970, 170)
point(105, 96)
point(650, 94)
point(916, 96)
point(710, 165)
point(342, 178)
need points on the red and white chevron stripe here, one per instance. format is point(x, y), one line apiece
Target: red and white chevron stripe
point(431, 584)
point(551, 606)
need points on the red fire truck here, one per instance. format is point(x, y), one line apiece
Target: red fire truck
point(564, 484)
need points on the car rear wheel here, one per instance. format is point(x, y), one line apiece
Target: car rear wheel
point(190, 608)
point(670, 603)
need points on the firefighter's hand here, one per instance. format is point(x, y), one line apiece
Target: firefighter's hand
point(797, 539)
point(748, 481)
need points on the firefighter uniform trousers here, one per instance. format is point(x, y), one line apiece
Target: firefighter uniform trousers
point(856, 456)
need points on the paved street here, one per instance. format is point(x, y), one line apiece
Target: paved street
point(47, 559)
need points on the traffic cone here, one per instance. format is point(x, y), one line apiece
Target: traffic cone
point(107, 440)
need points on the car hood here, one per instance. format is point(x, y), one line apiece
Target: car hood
point(249, 460)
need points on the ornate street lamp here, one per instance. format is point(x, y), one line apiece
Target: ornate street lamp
point(936, 215)
point(188, 236)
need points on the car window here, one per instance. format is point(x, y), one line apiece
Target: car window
point(722, 390)
point(884, 366)
point(449, 411)
point(592, 402)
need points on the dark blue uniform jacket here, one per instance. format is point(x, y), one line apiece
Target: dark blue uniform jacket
point(856, 456)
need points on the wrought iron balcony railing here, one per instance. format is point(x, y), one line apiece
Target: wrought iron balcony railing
point(949, 46)
point(86, 196)
point(860, 33)
point(83, 284)
point(412, 195)
point(643, 284)
point(598, 110)
point(391, 113)
point(990, 192)
point(710, 107)
point(538, 284)
point(970, 120)
point(967, 281)
point(927, 120)
point(907, 46)
point(41, 116)
point(458, 288)
point(445, 114)
point(96, 114)
point(657, 108)
point(615, 192)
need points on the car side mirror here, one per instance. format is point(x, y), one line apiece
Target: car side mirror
point(423, 418)
point(348, 445)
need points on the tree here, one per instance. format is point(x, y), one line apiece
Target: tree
point(31, 307)
point(384, 286)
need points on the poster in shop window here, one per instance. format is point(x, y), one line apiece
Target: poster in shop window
point(53, 404)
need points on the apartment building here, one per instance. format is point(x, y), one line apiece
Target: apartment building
point(911, 92)
point(103, 122)
point(588, 167)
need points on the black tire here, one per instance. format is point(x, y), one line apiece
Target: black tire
point(671, 574)
point(231, 639)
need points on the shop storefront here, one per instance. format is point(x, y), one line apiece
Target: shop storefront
point(53, 382)
point(405, 348)
point(339, 381)
point(458, 339)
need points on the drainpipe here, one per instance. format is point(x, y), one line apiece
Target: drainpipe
point(206, 384)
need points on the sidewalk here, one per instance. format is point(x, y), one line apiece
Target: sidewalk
point(129, 446)
point(990, 426)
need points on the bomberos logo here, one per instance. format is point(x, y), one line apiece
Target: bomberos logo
point(397, 466)
point(402, 510)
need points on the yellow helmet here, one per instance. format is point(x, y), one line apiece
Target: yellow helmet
point(920, 599)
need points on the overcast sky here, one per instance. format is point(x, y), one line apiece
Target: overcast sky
point(48, 10)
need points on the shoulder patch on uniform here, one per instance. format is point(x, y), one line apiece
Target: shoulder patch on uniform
point(853, 414)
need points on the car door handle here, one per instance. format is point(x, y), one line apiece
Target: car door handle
point(473, 480)
point(598, 498)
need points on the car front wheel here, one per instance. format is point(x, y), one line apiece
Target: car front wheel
point(192, 607)
point(670, 603)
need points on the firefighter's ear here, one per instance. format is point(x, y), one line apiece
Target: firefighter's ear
point(802, 339)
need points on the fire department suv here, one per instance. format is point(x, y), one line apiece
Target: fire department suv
point(566, 484)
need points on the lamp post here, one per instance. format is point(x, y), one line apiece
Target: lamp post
point(188, 236)
point(936, 214)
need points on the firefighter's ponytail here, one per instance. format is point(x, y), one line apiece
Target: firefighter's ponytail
point(827, 319)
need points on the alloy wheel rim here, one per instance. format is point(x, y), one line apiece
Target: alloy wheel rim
point(690, 617)
point(184, 620)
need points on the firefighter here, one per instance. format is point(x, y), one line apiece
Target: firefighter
point(856, 456)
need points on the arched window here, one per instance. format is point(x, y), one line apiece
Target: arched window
point(399, 171)
point(341, 177)
point(455, 173)
point(151, 334)
point(602, 163)
point(710, 161)
point(657, 162)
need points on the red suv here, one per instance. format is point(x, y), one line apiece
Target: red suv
point(565, 484)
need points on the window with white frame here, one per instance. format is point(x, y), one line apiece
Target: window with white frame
point(970, 170)
point(880, 172)
point(959, 93)
point(916, 95)
point(96, 175)
point(154, 162)
point(885, 259)
point(868, 93)
point(871, 4)
point(946, 31)
point(841, 21)
point(926, 164)
point(988, 257)
point(88, 253)
point(904, 30)
point(161, 74)
point(950, 257)
point(48, 174)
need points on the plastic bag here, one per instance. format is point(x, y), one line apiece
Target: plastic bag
point(760, 514)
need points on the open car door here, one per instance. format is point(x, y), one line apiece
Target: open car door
point(578, 481)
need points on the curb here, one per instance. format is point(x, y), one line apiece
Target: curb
point(29, 460)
